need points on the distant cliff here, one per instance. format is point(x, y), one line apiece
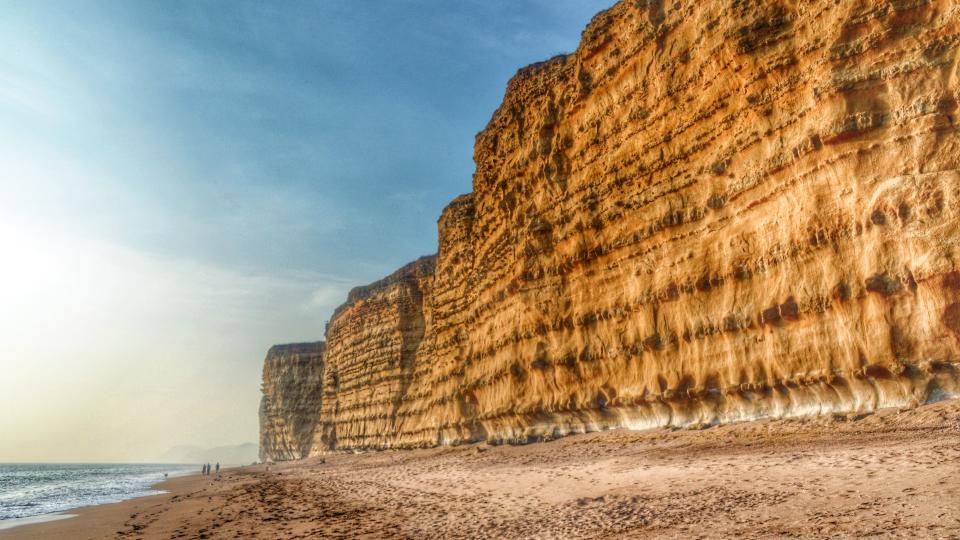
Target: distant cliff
point(711, 211)
point(292, 397)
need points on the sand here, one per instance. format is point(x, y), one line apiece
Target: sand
point(890, 474)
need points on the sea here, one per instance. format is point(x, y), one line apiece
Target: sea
point(37, 489)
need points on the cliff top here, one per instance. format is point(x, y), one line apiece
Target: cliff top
point(529, 79)
point(293, 348)
point(423, 266)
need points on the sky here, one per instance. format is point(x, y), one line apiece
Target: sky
point(185, 183)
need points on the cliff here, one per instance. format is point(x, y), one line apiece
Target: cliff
point(292, 392)
point(710, 211)
point(373, 340)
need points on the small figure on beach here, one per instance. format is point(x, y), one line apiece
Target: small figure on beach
point(203, 469)
point(218, 468)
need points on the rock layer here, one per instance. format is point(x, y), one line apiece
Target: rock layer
point(711, 211)
point(292, 392)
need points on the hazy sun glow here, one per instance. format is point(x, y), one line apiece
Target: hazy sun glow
point(91, 331)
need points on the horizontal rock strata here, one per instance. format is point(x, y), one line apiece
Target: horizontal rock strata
point(711, 211)
point(292, 393)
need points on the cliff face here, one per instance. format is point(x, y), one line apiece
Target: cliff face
point(373, 339)
point(290, 407)
point(711, 211)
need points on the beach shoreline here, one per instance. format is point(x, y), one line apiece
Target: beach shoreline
point(887, 474)
point(13, 523)
point(96, 521)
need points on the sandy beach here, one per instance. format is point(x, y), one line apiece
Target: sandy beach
point(890, 474)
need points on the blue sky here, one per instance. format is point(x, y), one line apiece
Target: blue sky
point(185, 183)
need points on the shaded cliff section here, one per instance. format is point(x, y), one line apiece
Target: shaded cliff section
point(710, 212)
point(292, 396)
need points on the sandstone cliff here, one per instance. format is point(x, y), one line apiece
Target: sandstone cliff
point(292, 392)
point(710, 211)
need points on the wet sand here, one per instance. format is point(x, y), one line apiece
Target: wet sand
point(890, 474)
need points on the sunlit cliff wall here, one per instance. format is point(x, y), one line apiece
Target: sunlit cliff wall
point(711, 211)
point(373, 340)
point(289, 408)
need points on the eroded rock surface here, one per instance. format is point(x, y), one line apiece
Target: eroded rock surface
point(711, 211)
point(290, 406)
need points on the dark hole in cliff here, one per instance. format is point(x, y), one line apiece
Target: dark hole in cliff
point(841, 291)
point(882, 284)
point(601, 401)
point(719, 167)
point(541, 352)
point(716, 202)
point(711, 385)
point(789, 310)
point(539, 363)
point(586, 81)
point(517, 371)
point(937, 366)
point(877, 372)
point(903, 211)
point(911, 281)
point(653, 343)
point(684, 388)
point(731, 323)
point(741, 272)
point(839, 381)
point(672, 292)
point(878, 218)
point(703, 284)
point(770, 315)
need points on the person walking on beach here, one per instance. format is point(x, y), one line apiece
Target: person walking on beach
point(218, 468)
point(203, 469)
